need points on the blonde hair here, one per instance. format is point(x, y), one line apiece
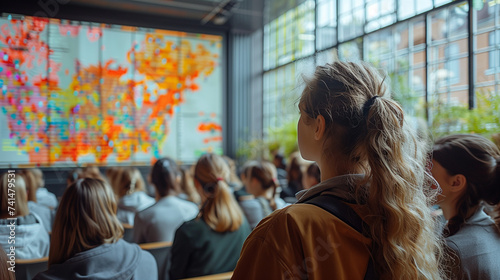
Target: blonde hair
point(220, 210)
point(376, 141)
point(187, 185)
point(31, 183)
point(85, 219)
point(18, 185)
point(267, 175)
point(126, 180)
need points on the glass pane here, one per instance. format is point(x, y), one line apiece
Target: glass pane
point(406, 8)
point(326, 37)
point(401, 36)
point(441, 2)
point(419, 32)
point(418, 59)
point(486, 66)
point(327, 56)
point(485, 17)
point(458, 22)
point(438, 25)
point(423, 6)
point(351, 51)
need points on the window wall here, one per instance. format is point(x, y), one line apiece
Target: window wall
point(442, 57)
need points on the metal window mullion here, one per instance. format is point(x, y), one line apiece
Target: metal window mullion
point(472, 64)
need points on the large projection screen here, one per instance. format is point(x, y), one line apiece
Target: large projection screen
point(74, 93)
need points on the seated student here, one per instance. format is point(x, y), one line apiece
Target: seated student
point(212, 242)
point(240, 193)
point(160, 221)
point(262, 183)
point(312, 176)
point(43, 196)
point(45, 213)
point(31, 238)
point(467, 168)
point(129, 188)
point(86, 241)
point(294, 172)
point(372, 167)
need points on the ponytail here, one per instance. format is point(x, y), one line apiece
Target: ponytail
point(220, 210)
point(476, 158)
point(368, 130)
point(396, 200)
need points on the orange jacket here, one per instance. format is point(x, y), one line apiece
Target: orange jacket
point(303, 241)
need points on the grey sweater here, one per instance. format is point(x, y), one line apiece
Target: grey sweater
point(475, 249)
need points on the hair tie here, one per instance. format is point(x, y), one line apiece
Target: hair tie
point(368, 105)
point(219, 179)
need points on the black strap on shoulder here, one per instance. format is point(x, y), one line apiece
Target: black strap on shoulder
point(339, 209)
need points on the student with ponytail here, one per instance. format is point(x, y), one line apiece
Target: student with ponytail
point(373, 168)
point(262, 183)
point(211, 243)
point(467, 168)
point(160, 221)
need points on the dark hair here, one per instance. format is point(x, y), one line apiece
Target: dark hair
point(313, 171)
point(478, 159)
point(294, 171)
point(164, 176)
point(265, 173)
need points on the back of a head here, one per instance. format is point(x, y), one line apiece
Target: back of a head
point(17, 187)
point(85, 219)
point(127, 181)
point(165, 176)
point(478, 159)
point(220, 210)
point(37, 172)
point(266, 174)
point(31, 183)
point(294, 169)
point(366, 128)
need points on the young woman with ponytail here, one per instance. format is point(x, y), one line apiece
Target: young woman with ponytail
point(262, 183)
point(160, 221)
point(372, 164)
point(211, 243)
point(467, 168)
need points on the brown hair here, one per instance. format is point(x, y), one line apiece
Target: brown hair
point(85, 219)
point(265, 172)
point(478, 159)
point(220, 210)
point(165, 176)
point(126, 180)
point(18, 185)
point(368, 129)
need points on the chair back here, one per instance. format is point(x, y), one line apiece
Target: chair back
point(128, 233)
point(161, 253)
point(27, 269)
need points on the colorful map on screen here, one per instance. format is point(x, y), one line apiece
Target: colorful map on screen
point(92, 93)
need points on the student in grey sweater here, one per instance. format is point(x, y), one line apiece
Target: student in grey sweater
point(86, 239)
point(467, 168)
point(160, 221)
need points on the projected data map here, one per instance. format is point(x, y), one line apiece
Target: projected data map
point(75, 92)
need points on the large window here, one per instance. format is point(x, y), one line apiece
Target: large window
point(427, 51)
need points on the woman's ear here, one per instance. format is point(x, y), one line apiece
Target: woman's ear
point(458, 183)
point(319, 129)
